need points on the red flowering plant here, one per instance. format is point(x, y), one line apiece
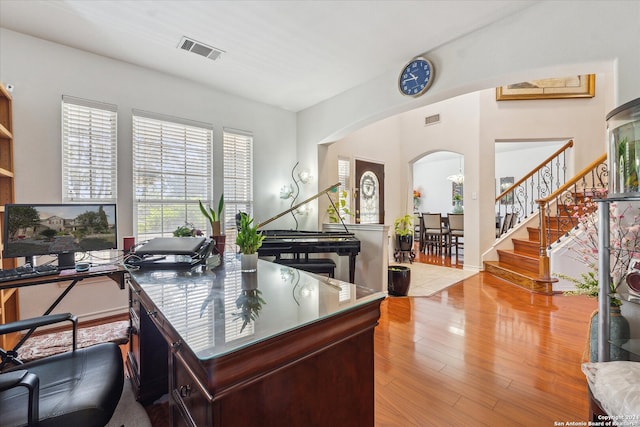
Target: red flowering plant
point(624, 241)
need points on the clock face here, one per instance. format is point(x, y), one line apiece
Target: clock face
point(416, 77)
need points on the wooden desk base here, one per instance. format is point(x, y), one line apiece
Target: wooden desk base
point(319, 375)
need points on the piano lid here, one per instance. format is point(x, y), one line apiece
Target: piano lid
point(304, 202)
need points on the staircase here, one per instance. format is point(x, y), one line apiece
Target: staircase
point(521, 265)
point(527, 264)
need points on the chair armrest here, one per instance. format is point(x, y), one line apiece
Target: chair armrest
point(21, 325)
point(23, 378)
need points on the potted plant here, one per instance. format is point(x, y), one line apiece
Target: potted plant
point(186, 230)
point(457, 203)
point(399, 279)
point(403, 228)
point(249, 240)
point(214, 217)
point(618, 325)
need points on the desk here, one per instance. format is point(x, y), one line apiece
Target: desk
point(304, 358)
point(115, 273)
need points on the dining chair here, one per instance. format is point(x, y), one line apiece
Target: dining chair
point(418, 230)
point(456, 230)
point(436, 234)
point(506, 223)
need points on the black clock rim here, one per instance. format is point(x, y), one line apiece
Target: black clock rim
point(429, 82)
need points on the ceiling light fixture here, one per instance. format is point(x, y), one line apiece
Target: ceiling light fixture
point(459, 177)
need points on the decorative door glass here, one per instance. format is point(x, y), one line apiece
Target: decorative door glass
point(369, 198)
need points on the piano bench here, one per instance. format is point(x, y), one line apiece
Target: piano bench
point(312, 265)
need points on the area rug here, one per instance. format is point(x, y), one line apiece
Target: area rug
point(44, 345)
point(428, 279)
point(129, 413)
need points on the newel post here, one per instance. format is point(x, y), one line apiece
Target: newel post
point(544, 268)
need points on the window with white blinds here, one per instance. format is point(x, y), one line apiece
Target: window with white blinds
point(171, 171)
point(89, 141)
point(238, 178)
point(344, 191)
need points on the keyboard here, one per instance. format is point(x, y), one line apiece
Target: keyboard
point(27, 272)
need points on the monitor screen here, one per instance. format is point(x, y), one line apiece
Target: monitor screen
point(42, 229)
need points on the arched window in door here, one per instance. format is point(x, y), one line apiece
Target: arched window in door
point(369, 198)
point(369, 192)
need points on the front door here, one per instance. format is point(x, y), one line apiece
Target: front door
point(369, 193)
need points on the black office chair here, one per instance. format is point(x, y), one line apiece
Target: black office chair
point(81, 387)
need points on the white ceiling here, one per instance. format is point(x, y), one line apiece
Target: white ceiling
point(290, 54)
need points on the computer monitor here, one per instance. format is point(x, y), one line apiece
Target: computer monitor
point(48, 229)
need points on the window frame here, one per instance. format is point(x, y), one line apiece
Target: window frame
point(89, 133)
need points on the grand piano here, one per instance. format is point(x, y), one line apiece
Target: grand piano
point(300, 243)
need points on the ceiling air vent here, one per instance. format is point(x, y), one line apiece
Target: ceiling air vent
point(431, 120)
point(198, 48)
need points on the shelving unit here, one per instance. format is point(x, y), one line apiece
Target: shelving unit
point(9, 298)
point(604, 343)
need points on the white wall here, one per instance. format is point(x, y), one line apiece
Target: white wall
point(547, 39)
point(470, 126)
point(42, 72)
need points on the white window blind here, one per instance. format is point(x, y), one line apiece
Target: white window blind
point(344, 191)
point(238, 178)
point(171, 171)
point(89, 141)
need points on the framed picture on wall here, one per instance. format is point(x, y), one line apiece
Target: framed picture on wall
point(505, 183)
point(578, 86)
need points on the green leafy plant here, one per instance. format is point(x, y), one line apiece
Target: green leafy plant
point(343, 211)
point(214, 217)
point(183, 231)
point(249, 239)
point(588, 285)
point(403, 226)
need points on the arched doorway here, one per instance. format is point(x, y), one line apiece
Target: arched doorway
point(439, 178)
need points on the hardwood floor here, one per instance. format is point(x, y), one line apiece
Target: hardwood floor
point(480, 353)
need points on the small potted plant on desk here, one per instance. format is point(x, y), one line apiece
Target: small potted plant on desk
point(214, 218)
point(249, 240)
point(403, 228)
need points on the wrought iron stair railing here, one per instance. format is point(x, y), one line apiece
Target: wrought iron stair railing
point(519, 201)
point(559, 212)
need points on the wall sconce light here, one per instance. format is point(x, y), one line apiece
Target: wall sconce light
point(304, 176)
point(286, 191)
point(303, 210)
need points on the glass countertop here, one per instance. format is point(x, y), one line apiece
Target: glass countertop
point(222, 310)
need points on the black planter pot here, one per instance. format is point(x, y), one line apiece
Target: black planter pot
point(399, 280)
point(404, 243)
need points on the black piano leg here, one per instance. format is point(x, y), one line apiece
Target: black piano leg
point(352, 268)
